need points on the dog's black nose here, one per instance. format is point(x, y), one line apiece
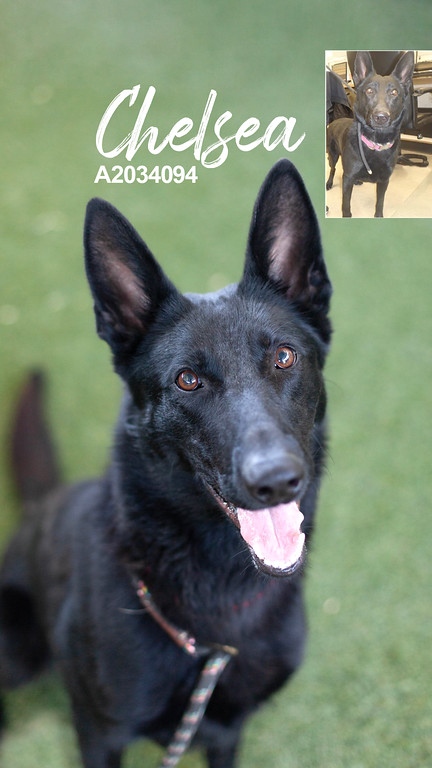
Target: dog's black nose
point(273, 479)
point(381, 118)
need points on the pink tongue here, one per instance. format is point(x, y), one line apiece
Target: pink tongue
point(274, 534)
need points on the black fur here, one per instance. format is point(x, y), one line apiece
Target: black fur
point(250, 430)
point(379, 109)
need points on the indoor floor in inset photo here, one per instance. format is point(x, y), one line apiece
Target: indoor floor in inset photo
point(409, 193)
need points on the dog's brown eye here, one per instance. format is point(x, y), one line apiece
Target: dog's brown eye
point(369, 91)
point(285, 357)
point(188, 381)
point(394, 92)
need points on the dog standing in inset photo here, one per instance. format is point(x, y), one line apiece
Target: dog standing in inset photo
point(185, 560)
point(368, 144)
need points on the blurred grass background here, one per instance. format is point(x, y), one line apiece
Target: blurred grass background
point(362, 698)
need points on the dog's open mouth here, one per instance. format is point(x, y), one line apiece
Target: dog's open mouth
point(273, 534)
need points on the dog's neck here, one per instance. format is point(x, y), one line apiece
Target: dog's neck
point(362, 139)
point(374, 145)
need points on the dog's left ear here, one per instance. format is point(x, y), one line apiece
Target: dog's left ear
point(404, 68)
point(284, 246)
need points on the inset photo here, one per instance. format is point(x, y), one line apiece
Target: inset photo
point(379, 134)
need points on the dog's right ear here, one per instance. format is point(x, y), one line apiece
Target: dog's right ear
point(127, 283)
point(363, 67)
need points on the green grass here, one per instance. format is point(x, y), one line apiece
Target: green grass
point(362, 698)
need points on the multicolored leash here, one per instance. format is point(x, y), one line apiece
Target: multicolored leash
point(219, 657)
point(194, 713)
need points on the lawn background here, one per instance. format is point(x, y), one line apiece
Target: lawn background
point(362, 699)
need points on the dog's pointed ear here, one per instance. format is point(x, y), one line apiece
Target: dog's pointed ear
point(127, 283)
point(404, 68)
point(363, 67)
point(284, 245)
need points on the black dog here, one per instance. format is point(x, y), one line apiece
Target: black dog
point(219, 442)
point(369, 144)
